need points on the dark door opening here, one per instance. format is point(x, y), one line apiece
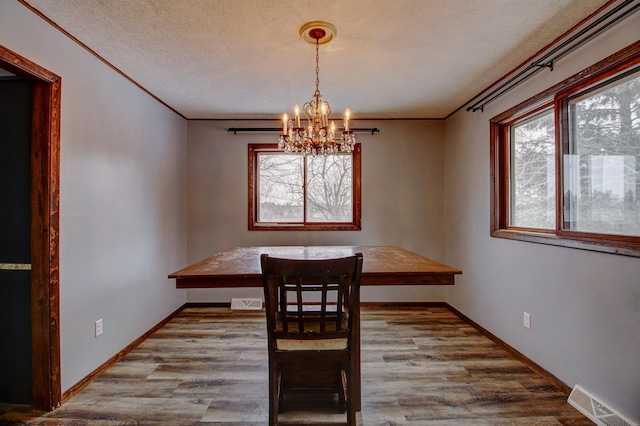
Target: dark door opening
point(15, 241)
point(43, 252)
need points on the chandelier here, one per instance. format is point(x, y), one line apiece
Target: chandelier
point(317, 136)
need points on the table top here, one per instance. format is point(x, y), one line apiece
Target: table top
point(382, 265)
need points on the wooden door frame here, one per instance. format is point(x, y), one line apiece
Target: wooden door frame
point(45, 227)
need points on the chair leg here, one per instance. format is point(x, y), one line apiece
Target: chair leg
point(274, 394)
point(280, 392)
point(351, 412)
point(342, 389)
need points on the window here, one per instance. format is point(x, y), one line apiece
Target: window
point(291, 191)
point(565, 165)
point(601, 159)
point(532, 192)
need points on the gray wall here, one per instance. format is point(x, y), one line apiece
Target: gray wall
point(125, 173)
point(122, 197)
point(402, 198)
point(585, 306)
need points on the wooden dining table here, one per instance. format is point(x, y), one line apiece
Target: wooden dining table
point(382, 265)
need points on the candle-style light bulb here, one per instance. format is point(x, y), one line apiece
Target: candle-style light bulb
point(297, 113)
point(347, 115)
point(285, 120)
point(324, 114)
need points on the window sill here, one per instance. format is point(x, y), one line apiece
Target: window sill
point(305, 227)
point(611, 247)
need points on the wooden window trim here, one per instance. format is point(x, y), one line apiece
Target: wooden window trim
point(254, 225)
point(620, 61)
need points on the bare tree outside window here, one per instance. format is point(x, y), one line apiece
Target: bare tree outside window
point(329, 188)
point(281, 197)
point(533, 201)
point(292, 191)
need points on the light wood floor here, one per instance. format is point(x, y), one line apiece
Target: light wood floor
point(420, 366)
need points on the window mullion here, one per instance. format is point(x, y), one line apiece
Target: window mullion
point(562, 146)
point(304, 190)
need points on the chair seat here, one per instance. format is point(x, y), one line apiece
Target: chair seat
point(311, 345)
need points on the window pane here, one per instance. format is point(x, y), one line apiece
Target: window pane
point(532, 184)
point(280, 196)
point(329, 188)
point(294, 192)
point(601, 168)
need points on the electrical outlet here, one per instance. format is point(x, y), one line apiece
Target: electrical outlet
point(527, 320)
point(98, 327)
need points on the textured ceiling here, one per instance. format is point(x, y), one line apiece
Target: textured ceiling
point(245, 59)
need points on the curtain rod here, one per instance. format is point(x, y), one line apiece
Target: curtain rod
point(235, 130)
point(547, 60)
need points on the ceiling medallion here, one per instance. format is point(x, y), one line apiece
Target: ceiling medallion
point(318, 136)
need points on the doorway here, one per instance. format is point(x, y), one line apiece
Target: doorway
point(15, 240)
point(42, 249)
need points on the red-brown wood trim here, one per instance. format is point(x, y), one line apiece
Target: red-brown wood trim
point(621, 62)
point(404, 305)
point(368, 279)
point(92, 52)
point(253, 184)
point(209, 305)
point(513, 352)
point(509, 349)
point(24, 68)
point(45, 227)
point(357, 186)
point(252, 196)
point(73, 390)
point(608, 64)
point(618, 62)
point(562, 137)
point(500, 153)
point(496, 152)
point(45, 253)
point(624, 62)
point(533, 57)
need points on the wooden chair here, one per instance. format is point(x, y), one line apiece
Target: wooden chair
point(313, 315)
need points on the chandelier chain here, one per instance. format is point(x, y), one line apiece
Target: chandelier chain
point(317, 67)
point(318, 136)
